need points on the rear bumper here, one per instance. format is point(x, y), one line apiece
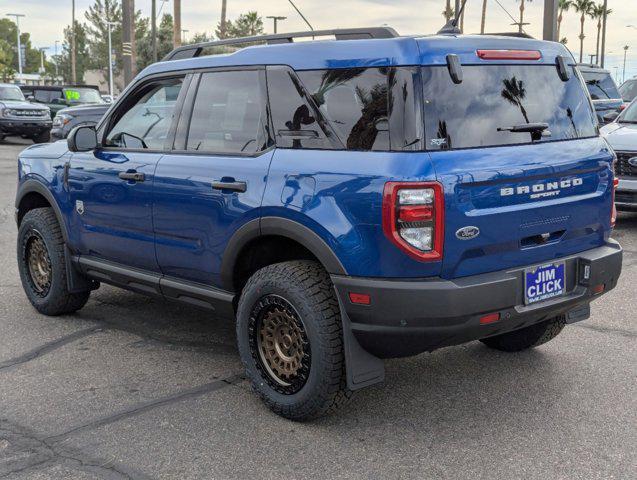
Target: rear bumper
point(408, 317)
point(626, 194)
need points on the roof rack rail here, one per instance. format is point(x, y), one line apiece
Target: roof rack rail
point(196, 49)
point(511, 34)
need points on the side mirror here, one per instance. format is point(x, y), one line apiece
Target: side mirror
point(610, 117)
point(82, 139)
point(31, 98)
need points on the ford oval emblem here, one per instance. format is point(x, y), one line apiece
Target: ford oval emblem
point(468, 233)
point(633, 162)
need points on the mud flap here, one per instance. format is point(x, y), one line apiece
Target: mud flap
point(362, 369)
point(75, 280)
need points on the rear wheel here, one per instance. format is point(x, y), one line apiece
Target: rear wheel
point(42, 265)
point(290, 340)
point(527, 337)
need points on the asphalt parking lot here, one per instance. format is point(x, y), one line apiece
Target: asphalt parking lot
point(138, 388)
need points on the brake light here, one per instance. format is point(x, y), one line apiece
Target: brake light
point(413, 218)
point(622, 107)
point(509, 54)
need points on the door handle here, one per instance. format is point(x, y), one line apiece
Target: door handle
point(230, 185)
point(132, 176)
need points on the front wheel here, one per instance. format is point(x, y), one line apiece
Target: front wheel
point(290, 339)
point(527, 337)
point(43, 137)
point(41, 261)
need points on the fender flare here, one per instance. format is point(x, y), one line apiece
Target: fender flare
point(35, 186)
point(267, 226)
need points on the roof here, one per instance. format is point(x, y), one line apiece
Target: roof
point(56, 87)
point(399, 51)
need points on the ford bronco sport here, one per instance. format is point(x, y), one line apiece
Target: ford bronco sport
point(346, 201)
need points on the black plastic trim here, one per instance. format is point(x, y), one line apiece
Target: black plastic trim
point(35, 186)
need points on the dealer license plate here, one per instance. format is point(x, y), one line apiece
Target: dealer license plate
point(544, 282)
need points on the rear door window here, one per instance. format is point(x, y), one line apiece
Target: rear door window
point(480, 111)
point(229, 114)
point(628, 90)
point(601, 85)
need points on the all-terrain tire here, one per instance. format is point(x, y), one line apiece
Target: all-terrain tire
point(303, 288)
point(43, 137)
point(527, 337)
point(41, 223)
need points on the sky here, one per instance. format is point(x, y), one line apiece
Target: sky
point(45, 19)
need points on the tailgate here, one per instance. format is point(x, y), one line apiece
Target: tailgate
point(530, 203)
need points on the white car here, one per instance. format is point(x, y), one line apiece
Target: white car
point(622, 136)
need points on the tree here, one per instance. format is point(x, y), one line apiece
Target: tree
point(164, 42)
point(8, 45)
point(584, 8)
point(247, 25)
point(521, 23)
point(82, 53)
point(448, 12)
point(598, 14)
point(483, 20)
point(563, 6)
point(6, 61)
point(514, 92)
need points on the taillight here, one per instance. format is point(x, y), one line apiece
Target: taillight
point(413, 218)
point(509, 54)
point(622, 107)
point(613, 215)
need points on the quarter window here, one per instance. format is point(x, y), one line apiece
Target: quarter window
point(229, 113)
point(355, 102)
point(146, 123)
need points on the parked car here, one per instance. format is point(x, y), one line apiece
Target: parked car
point(57, 97)
point(70, 117)
point(346, 201)
point(603, 90)
point(19, 117)
point(622, 136)
point(628, 90)
point(108, 98)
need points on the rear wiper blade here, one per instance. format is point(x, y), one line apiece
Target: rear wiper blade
point(525, 127)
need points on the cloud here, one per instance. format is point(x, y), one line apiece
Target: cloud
point(45, 19)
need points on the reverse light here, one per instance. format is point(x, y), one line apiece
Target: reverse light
point(413, 218)
point(509, 54)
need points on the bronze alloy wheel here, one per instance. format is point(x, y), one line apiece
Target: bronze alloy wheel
point(279, 344)
point(36, 258)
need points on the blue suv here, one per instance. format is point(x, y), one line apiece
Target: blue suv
point(346, 201)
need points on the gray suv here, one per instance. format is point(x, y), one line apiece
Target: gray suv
point(70, 117)
point(21, 118)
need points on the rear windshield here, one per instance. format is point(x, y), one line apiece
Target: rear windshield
point(601, 85)
point(628, 90)
point(82, 95)
point(480, 111)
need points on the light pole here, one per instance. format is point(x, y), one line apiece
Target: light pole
point(276, 19)
point(42, 49)
point(626, 47)
point(17, 24)
point(110, 59)
point(183, 35)
point(56, 60)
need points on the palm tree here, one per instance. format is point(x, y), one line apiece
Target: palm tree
point(563, 6)
point(584, 8)
point(448, 12)
point(484, 16)
point(521, 23)
point(598, 14)
point(514, 92)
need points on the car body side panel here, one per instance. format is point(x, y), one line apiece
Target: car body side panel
point(338, 195)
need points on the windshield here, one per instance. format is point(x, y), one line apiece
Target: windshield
point(601, 85)
point(82, 95)
point(504, 105)
point(629, 90)
point(629, 115)
point(11, 93)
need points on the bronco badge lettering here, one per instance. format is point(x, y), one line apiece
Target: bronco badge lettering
point(541, 190)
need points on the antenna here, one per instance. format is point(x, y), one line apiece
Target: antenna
point(451, 27)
